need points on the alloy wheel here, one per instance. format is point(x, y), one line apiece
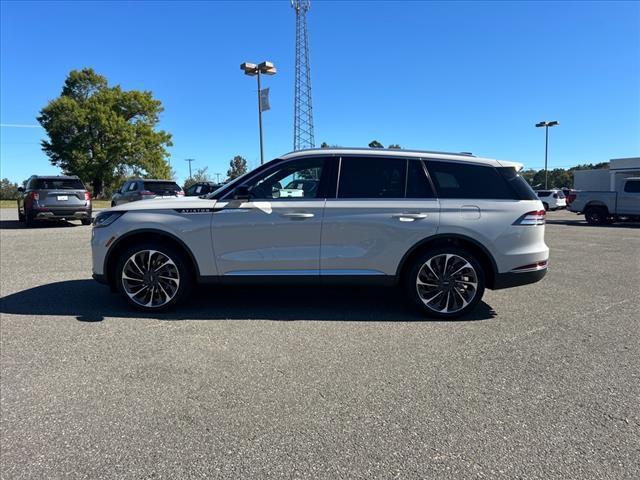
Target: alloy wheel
point(150, 278)
point(447, 283)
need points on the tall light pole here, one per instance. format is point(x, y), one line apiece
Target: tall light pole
point(546, 126)
point(190, 160)
point(252, 69)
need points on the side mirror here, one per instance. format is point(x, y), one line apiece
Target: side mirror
point(21, 189)
point(241, 193)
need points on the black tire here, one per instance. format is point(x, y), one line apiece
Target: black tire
point(596, 215)
point(86, 221)
point(113, 204)
point(21, 217)
point(461, 291)
point(29, 221)
point(546, 206)
point(182, 266)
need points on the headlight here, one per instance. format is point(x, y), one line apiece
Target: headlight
point(104, 219)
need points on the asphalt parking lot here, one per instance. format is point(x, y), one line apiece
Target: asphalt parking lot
point(542, 381)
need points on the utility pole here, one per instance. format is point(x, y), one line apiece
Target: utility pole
point(546, 126)
point(190, 160)
point(303, 110)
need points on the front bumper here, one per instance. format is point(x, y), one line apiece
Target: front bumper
point(516, 279)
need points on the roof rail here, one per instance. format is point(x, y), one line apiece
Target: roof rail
point(410, 150)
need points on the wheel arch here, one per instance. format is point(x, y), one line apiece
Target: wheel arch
point(596, 204)
point(483, 255)
point(143, 236)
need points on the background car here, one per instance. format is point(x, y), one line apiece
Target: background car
point(552, 199)
point(139, 189)
point(201, 188)
point(54, 198)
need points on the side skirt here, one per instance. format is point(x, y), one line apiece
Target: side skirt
point(373, 280)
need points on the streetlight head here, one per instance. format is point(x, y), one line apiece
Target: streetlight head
point(249, 68)
point(554, 123)
point(267, 68)
point(541, 124)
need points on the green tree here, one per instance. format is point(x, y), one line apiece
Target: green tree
point(237, 167)
point(8, 190)
point(103, 133)
point(375, 144)
point(324, 145)
point(200, 175)
point(394, 146)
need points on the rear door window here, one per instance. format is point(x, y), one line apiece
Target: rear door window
point(372, 177)
point(465, 180)
point(418, 185)
point(58, 184)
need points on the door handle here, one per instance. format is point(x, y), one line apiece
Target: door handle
point(298, 215)
point(410, 217)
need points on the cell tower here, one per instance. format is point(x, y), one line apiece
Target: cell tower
point(303, 109)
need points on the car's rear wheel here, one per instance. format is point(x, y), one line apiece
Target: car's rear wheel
point(596, 215)
point(21, 216)
point(153, 277)
point(446, 283)
point(86, 221)
point(29, 221)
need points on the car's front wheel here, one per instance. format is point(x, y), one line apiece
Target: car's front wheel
point(446, 283)
point(153, 277)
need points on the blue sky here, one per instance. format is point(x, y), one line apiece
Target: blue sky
point(452, 76)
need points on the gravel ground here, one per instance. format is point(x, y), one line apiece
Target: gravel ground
point(542, 381)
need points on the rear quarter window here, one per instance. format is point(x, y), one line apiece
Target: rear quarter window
point(465, 180)
point(632, 186)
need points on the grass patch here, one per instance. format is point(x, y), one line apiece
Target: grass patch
point(96, 204)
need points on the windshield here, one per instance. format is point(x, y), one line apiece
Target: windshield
point(216, 193)
point(161, 187)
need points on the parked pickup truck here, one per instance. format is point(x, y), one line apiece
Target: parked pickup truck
point(606, 207)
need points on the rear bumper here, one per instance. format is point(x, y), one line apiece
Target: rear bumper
point(516, 279)
point(60, 213)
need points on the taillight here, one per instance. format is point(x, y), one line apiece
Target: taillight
point(532, 266)
point(87, 197)
point(536, 217)
point(35, 196)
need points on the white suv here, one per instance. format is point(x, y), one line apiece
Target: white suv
point(553, 199)
point(443, 226)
